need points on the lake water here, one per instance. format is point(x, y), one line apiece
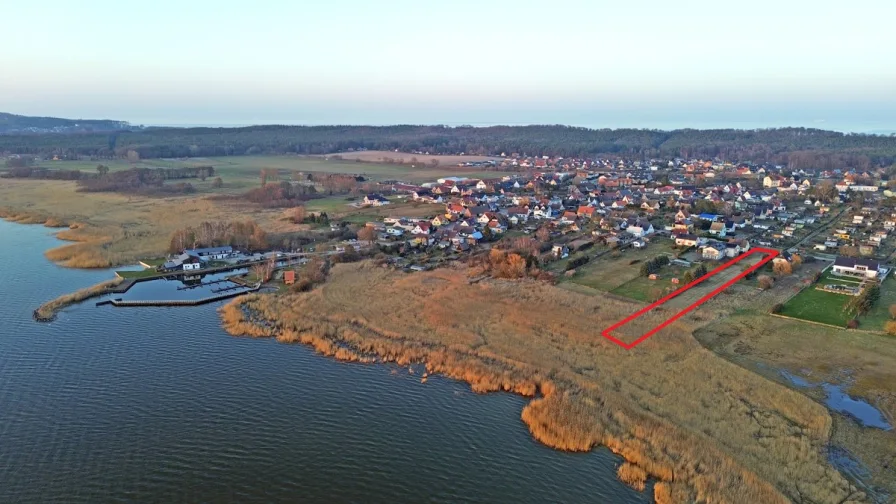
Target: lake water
point(160, 405)
point(838, 400)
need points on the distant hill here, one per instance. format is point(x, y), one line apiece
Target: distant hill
point(798, 148)
point(18, 124)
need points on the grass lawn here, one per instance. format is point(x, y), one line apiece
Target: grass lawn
point(331, 205)
point(137, 274)
point(818, 306)
point(616, 268)
point(641, 288)
point(154, 262)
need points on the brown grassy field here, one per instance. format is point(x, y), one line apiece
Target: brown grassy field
point(861, 362)
point(706, 429)
point(108, 229)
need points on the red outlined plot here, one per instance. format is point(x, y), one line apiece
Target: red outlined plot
point(771, 254)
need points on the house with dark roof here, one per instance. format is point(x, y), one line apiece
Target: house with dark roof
point(857, 267)
point(375, 200)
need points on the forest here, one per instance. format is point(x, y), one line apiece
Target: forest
point(17, 123)
point(804, 145)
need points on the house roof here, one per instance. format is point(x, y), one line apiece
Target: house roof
point(852, 262)
point(210, 250)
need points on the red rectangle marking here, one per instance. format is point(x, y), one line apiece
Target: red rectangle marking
point(606, 332)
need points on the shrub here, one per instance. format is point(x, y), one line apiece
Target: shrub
point(766, 282)
point(890, 327)
point(853, 324)
point(576, 261)
point(893, 311)
point(777, 308)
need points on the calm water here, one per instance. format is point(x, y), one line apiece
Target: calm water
point(160, 405)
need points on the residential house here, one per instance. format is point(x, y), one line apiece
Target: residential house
point(713, 252)
point(211, 253)
point(718, 229)
point(687, 240)
point(852, 266)
point(639, 227)
point(375, 200)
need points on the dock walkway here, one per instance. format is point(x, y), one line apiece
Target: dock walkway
point(176, 302)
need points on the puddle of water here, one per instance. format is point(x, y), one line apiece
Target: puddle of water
point(866, 414)
point(838, 400)
point(796, 380)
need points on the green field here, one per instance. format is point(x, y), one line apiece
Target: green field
point(616, 268)
point(137, 274)
point(643, 288)
point(820, 306)
point(240, 173)
point(879, 315)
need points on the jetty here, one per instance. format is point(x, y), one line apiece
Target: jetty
point(230, 292)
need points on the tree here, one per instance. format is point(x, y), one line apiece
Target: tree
point(700, 270)
point(766, 282)
point(217, 183)
point(543, 234)
point(688, 277)
point(102, 170)
point(893, 311)
point(298, 214)
point(133, 156)
point(866, 299)
point(825, 191)
point(367, 234)
point(782, 268)
point(796, 261)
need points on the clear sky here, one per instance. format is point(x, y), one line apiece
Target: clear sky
point(645, 63)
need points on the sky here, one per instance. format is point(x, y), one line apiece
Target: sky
point(632, 63)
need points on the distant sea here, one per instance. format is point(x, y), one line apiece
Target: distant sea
point(864, 129)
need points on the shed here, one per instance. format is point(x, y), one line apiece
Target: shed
point(289, 277)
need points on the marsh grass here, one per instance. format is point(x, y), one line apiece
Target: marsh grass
point(707, 430)
point(48, 310)
point(108, 229)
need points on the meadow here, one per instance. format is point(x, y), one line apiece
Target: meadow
point(829, 308)
point(110, 229)
point(705, 429)
point(243, 172)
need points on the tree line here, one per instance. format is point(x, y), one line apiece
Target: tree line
point(242, 235)
point(800, 146)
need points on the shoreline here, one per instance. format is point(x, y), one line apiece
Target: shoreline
point(47, 312)
point(563, 413)
point(81, 236)
point(344, 339)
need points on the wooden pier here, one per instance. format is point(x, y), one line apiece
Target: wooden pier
point(180, 302)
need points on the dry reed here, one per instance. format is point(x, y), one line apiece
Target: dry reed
point(706, 429)
point(48, 310)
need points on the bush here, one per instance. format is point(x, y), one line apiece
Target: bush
point(766, 282)
point(777, 308)
point(893, 311)
point(890, 327)
point(853, 324)
point(576, 261)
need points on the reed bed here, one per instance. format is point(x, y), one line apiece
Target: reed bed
point(48, 310)
point(704, 429)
